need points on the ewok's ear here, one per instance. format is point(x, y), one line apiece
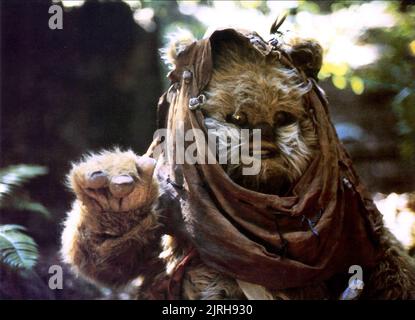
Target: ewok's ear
point(307, 55)
point(178, 41)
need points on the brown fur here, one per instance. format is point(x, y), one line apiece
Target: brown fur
point(113, 240)
point(107, 240)
point(268, 97)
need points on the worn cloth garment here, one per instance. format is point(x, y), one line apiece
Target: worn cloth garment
point(326, 224)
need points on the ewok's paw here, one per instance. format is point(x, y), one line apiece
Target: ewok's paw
point(112, 233)
point(114, 181)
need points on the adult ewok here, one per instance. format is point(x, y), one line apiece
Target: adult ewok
point(207, 231)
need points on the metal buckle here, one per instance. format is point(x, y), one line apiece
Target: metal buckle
point(195, 103)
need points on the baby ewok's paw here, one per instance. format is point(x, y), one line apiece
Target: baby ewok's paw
point(114, 181)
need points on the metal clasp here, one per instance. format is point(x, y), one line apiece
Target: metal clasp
point(195, 103)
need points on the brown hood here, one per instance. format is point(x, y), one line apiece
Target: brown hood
point(326, 225)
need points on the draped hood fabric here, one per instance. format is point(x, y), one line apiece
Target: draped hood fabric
point(325, 225)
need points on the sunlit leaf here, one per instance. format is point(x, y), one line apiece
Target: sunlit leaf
point(324, 71)
point(253, 4)
point(339, 69)
point(412, 47)
point(339, 82)
point(17, 249)
point(309, 6)
point(323, 76)
point(357, 85)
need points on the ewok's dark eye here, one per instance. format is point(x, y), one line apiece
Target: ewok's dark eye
point(283, 118)
point(238, 118)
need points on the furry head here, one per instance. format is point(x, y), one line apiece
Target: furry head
point(253, 91)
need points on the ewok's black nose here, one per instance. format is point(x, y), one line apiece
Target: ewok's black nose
point(267, 131)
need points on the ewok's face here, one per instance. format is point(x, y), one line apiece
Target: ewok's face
point(253, 92)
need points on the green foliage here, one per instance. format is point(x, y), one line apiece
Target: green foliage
point(13, 177)
point(17, 249)
point(337, 5)
point(23, 203)
point(11, 196)
point(394, 72)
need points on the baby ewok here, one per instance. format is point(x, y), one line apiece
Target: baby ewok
point(207, 231)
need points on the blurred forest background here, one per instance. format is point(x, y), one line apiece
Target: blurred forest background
point(95, 84)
